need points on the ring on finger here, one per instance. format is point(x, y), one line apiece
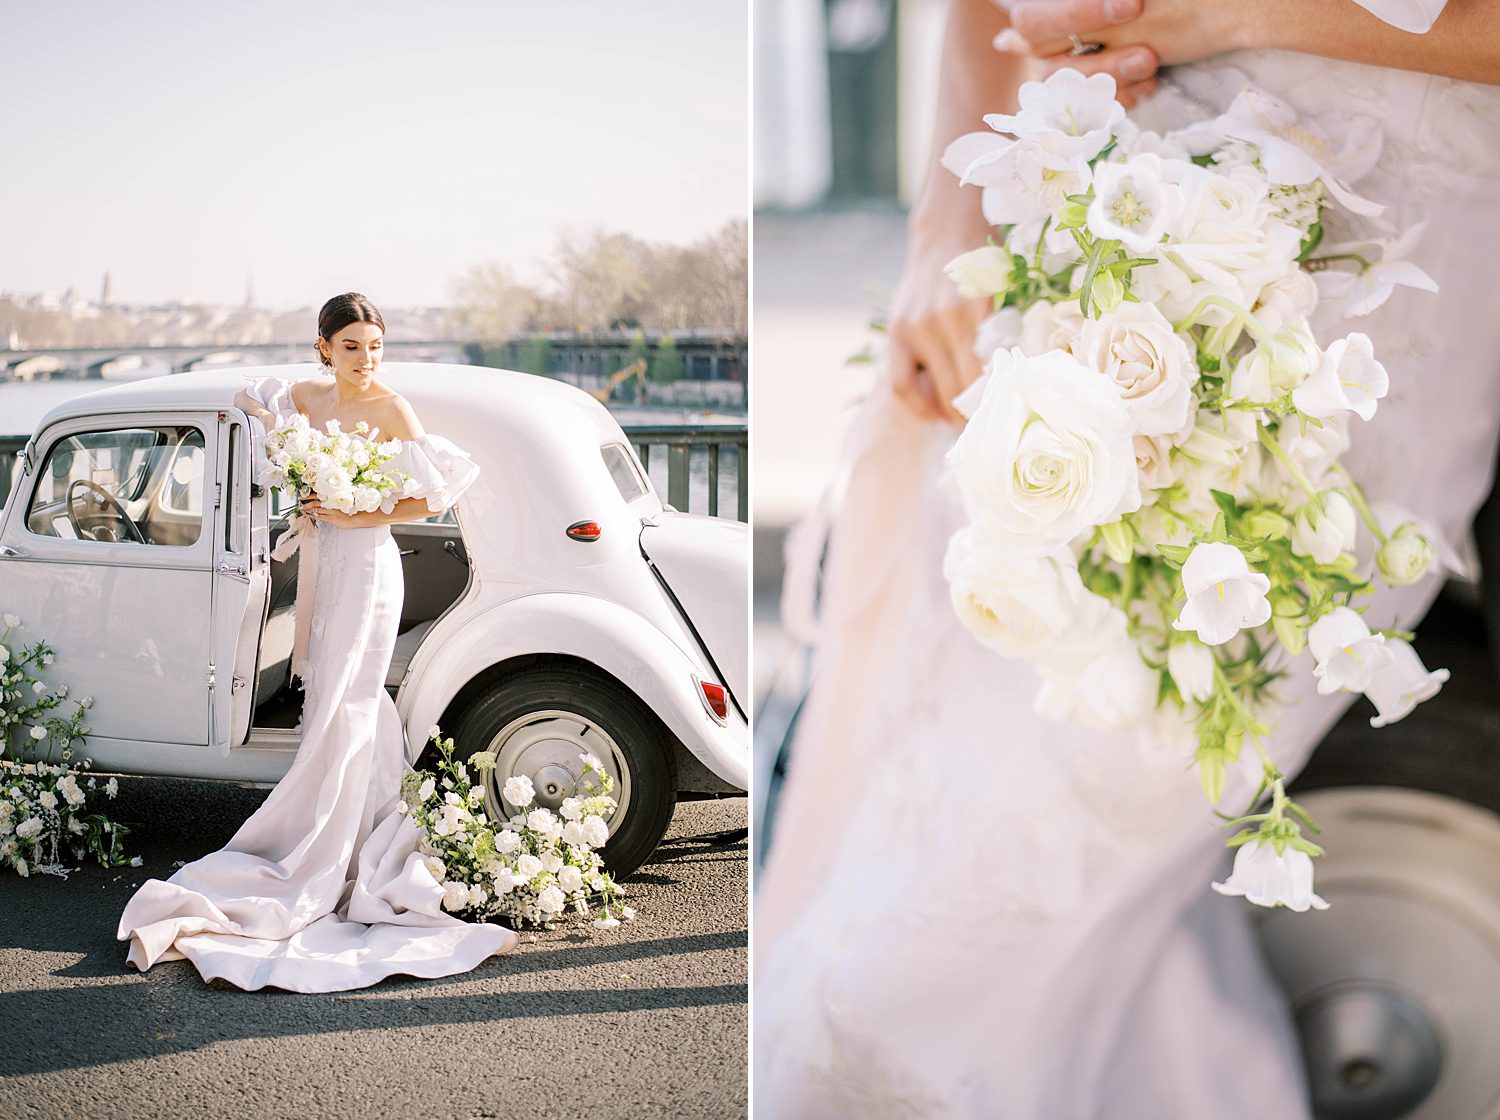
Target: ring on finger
point(1080, 47)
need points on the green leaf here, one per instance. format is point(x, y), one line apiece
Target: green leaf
point(1100, 249)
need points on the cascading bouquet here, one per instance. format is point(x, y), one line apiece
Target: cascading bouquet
point(1157, 514)
point(527, 870)
point(344, 470)
point(46, 806)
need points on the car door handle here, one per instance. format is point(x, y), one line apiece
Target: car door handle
point(240, 572)
point(7, 550)
point(406, 551)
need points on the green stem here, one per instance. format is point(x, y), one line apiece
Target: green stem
point(1239, 314)
point(1361, 506)
point(1363, 263)
point(1279, 452)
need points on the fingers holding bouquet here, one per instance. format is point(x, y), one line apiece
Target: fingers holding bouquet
point(312, 507)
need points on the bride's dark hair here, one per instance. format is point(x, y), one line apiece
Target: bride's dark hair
point(339, 312)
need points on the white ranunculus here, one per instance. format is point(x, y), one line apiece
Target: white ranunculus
point(47, 799)
point(1405, 556)
point(1268, 879)
point(519, 791)
point(1223, 239)
point(528, 866)
point(1107, 687)
point(1047, 452)
point(1325, 528)
point(551, 862)
point(507, 841)
point(1015, 603)
point(1401, 685)
point(455, 895)
point(1136, 348)
point(572, 834)
point(1291, 296)
point(1131, 201)
point(1277, 366)
point(981, 272)
point(1347, 654)
point(551, 901)
point(1191, 665)
point(542, 821)
point(570, 879)
point(1223, 594)
point(595, 831)
point(1348, 379)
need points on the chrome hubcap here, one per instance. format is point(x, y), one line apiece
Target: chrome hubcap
point(545, 747)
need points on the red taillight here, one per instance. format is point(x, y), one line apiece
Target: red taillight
point(584, 530)
point(713, 696)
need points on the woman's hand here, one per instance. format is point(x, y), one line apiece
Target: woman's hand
point(314, 508)
point(932, 331)
point(1138, 35)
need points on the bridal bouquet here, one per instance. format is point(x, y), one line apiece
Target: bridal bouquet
point(344, 470)
point(529, 869)
point(1157, 515)
point(45, 805)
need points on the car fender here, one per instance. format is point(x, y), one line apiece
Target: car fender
point(611, 637)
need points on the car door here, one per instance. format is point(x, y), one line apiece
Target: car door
point(107, 553)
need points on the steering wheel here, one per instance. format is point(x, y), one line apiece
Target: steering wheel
point(107, 502)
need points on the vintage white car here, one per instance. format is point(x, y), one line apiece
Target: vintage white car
point(558, 607)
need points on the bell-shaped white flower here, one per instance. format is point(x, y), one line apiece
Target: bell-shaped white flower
point(1405, 556)
point(1325, 528)
point(1191, 665)
point(1347, 654)
point(1268, 879)
point(1348, 379)
point(1068, 117)
point(1359, 293)
point(1280, 364)
point(1130, 204)
point(981, 272)
point(1223, 594)
point(1401, 685)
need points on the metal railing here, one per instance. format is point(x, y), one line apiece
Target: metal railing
point(679, 441)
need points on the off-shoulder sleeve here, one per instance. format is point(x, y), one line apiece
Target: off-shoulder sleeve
point(440, 472)
point(1416, 16)
point(275, 395)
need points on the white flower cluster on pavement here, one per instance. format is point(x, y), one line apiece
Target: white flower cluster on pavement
point(46, 806)
point(527, 868)
point(1156, 514)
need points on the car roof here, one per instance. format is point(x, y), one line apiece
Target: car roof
point(444, 396)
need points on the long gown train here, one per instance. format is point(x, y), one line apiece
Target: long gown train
point(323, 888)
point(970, 911)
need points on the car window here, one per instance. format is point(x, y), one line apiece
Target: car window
point(142, 485)
point(623, 470)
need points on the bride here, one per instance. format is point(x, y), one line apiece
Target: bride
point(968, 911)
point(323, 889)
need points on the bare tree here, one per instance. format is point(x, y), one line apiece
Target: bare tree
point(491, 306)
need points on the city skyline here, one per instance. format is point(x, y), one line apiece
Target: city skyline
point(386, 148)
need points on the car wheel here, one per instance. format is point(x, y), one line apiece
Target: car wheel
point(1396, 987)
point(539, 722)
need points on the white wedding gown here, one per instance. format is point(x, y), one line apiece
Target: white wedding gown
point(323, 889)
point(969, 911)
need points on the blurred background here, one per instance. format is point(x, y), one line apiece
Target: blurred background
point(553, 188)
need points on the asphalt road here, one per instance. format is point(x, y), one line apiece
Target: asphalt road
point(648, 1019)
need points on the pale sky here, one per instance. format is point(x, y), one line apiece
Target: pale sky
point(381, 146)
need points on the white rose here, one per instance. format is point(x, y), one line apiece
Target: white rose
point(981, 272)
point(1014, 603)
point(570, 879)
point(1051, 326)
point(1047, 451)
point(551, 862)
point(542, 821)
point(1003, 328)
point(519, 790)
point(551, 901)
point(455, 895)
point(1136, 348)
point(28, 828)
point(595, 831)
point(528, 866)
point(48, 799)
point(1268, 879)
point(506, 842)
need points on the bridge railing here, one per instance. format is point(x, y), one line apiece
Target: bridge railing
point(696, 452)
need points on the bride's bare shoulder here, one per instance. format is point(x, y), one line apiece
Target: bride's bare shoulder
point(398, 418)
